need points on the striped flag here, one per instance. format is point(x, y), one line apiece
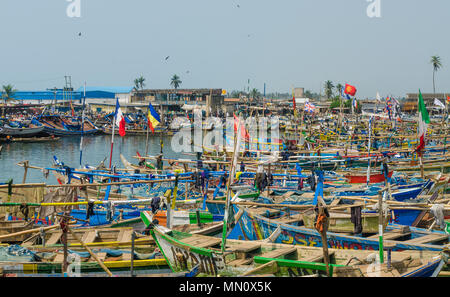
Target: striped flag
point(424, 120)
point(153, 118)
point(120, 119)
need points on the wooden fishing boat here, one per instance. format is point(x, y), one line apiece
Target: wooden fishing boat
point(87, 235)
point(362, 179)
point(30, 131)
point(9, 227)
point(255, 226)
point(340, 221)
point(184, 251)
point(51, 268)
point(134, 132)
point(35, 139)
point(60, 126)
point(133, 167)
point(443, 167)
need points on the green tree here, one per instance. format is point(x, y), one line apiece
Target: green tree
point(329, 88)
point(136, 84)
point(8, 93)
point(437, 64)
point(339, 88)
point(175, 81)
point(255, 94)
point(141, 81)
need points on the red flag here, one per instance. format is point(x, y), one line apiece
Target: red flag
point(350, 90)
point(448, 99)
point(244, 133)
point(120, 119)
point(293, 100)
point(122, 128)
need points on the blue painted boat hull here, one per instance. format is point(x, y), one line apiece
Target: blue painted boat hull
point(255, 227)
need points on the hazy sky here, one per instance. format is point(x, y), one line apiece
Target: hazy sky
point(216, 44)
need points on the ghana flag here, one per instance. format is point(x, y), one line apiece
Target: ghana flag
point(153, 118)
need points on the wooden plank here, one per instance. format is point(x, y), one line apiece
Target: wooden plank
point(428, 239)
point(318, 258)
point(424, 212)
point(89, 237)
point(246, 247)
point(335, 202)
point(272, 266)
point(279, 252)
point(124, 236)
point(391, 235)
point(200, 241)
point(54, 238)
point(288, 194)
point(59, 258)
point(239, 262)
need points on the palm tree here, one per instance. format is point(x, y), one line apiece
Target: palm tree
point(436, 62)
point(339, 88)
point(329, 88)
point(254, 93)
point(8, 92)
point(141, 80)
point(136, 84)
point(175, 81)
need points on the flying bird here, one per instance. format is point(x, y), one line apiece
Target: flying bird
point(167, 58)
point(79, 34)
point(238, 6)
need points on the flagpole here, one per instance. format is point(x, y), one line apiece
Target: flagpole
point(112, 136)
point(146, 142)
point(82, 125)
point(237, 146)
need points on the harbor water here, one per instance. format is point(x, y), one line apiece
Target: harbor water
point(67, 149)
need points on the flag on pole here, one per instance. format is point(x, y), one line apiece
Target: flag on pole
point(424, 120)
point(350, 90)
point(343, 94)
point(309, 107)
point(388, 107)
point(355, 103)
point(378, 97)
point(448, 99)
point(153, 118)
point(438, 103)
point(120, 119)
point(244, 133)
point(294, 103)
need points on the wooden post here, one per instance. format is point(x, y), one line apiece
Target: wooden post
point(133, 237)
point(25, 166)
point(268, 186)
point(323, 235)
point(64, 240)
point(380, 226)
point(421, 167)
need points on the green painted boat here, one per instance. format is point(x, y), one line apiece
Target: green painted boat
point(184, 251)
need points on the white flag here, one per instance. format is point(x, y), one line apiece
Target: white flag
point(438, 103)
point(378, 97)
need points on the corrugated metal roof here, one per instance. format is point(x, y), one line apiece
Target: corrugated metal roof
point(115, 90)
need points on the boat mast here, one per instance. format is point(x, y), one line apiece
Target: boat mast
point(237, 146)
point(82, 125)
